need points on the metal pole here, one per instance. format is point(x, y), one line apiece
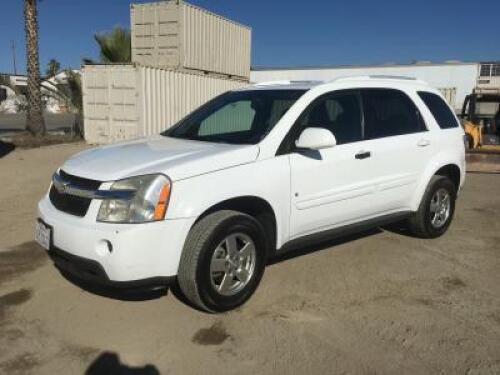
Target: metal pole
point(14, 57)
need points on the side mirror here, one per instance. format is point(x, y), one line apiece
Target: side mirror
point(316, 139)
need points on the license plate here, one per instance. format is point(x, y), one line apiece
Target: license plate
point(43, 234)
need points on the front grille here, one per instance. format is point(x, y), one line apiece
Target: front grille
point(80, 181)
point(72, 204)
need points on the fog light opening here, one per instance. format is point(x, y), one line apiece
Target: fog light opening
point(104, 248)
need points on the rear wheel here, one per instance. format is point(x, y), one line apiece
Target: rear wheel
point(468, 142)
point(436, 209)
point(223, 261)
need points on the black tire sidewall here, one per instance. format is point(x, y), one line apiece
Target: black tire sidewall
point(441, 183)
point(469, 142)
point(235, 224)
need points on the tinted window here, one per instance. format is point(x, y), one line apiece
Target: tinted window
point(389, 113)
point(236, 117)
point(439, 109)
point(338, 112)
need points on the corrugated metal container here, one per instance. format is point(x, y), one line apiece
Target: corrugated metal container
point(450, 94)
point(122, 102)
point(177, 35)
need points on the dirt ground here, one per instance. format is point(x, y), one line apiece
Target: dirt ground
point(378, 303)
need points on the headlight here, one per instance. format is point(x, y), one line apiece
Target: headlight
point(149, 203)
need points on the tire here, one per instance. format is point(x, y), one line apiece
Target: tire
point(424, 223)
point(469, 142)
point(207, 246)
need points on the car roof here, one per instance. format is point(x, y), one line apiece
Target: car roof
point(283, 85)
point(356, 81)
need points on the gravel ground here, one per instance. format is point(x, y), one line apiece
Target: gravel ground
point(377, 303)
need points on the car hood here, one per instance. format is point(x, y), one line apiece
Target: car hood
point(177, 158)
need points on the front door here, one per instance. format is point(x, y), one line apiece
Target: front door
point(335, 185)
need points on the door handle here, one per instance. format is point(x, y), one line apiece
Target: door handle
point(423, 143)
point(363, 155)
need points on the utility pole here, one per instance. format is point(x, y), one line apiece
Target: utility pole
point(14, 57)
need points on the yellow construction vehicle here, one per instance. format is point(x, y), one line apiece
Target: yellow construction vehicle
point(481, 110)
point(481, 120)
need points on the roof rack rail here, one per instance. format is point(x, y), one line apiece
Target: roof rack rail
point(375, 76)
point(385, 76)
point(271, 83)
point(288, 82)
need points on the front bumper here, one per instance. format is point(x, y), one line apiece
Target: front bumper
point(114, 254)
point(93, 274)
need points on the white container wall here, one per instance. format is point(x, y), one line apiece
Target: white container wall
point(459, 78)
point(177, 35)
point(450, 94)
point(122, 102)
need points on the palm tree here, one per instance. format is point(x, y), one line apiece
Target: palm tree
point(69, 91)
point(53, 67)
point(115, 45)
point(35, 123)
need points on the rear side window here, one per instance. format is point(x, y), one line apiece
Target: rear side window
point(439, 109)
point(389, 112)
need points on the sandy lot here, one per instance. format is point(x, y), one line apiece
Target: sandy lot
point(378, 303)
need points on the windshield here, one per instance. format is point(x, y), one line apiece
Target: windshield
point(236, 117)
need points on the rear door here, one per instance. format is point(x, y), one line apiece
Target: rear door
point(399, 144)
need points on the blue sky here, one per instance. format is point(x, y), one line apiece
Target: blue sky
point(285, 32)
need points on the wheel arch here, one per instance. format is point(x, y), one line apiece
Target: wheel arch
point(452, 171)
point(257, 207)
point(443, 167)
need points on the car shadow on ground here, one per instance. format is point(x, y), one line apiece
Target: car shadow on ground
point(319, 245)
point(6, 148)
point(282, 256)
point(116, 293)
point(109, 363)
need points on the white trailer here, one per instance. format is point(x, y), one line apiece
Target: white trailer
point(456, 80)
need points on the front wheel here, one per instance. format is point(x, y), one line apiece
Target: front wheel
point(436, 209)
point(223, 261)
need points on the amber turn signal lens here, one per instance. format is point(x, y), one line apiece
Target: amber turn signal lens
point(161, 206)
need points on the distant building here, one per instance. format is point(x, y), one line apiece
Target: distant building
point(455, 79)
point(18, 89)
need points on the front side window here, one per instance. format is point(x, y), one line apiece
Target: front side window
point(338, 112)
point(236, 117)
point(389, 112)
point(439, 109)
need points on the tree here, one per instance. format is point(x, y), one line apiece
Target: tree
point(69, 91)
point(53, 67)
point(35, 123)
point(115, 45)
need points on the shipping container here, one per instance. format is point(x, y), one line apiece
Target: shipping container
point(122, 102)
point(177, 35)
point(450, 94)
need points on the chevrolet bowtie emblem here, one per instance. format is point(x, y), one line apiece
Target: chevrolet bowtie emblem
point(61, 186)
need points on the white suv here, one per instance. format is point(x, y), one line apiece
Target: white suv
point(250, 174)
